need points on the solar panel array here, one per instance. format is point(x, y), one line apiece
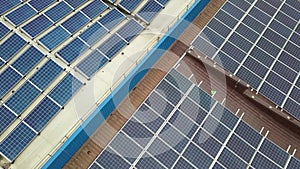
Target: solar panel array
point(181, 126)
point(258, 41)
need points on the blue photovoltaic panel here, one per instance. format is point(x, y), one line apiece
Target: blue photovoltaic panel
point(1, 63)
point(16, 141)
point(75, 22)
point(112, 19)
point(11, 46)
point(21, 14)
point(40, 5)
point(59, 11)
point(6, 118)
point(7, 5)
point(112, 46)
point(149, 11)
point(22, 98)
point(130, 5)
point(163, 2)
point(4, 30)
point(106, 158)
point(37, 26)
point(75, 3)
point(65, 90)
point(40, 116)
point(93, 34)
point(46, 74)
point(92, 63)
point(28, 60)
point(294, 163)
point(8, 79)
point(94, 9)
point(130, 30)
point(54, 38)
point(73, 50)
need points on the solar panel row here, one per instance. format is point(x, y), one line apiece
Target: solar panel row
point(196, 132)
point(149, 11)
point(129, 5)
point(259, 48)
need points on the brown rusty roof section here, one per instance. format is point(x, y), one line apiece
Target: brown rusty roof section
point(282, 132)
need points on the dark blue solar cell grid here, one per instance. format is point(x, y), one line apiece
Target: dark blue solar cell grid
point(181, 163)
point(110, 159)
point(280, 28)
point(37, 26)
point(275, 3)
point(16, 141)
point(248, 134)
point(285, 71)
point(46, 74)
point(112, 46)
point(65, 90)
point(219, 27)
point(290, 11)
point(204, 47)
point(7, 5)
point(147, 162)
point(92, 63)
point(149, 11)
point(21, 14)
point(40, 5)
point(256, 67)
point(59, 11)
point(286, 20)
point(163, 153)
point(218, 166)
point(112, 19)
point(178, 80)
point(265, 7)
point(292, 107)
point(295, 94)
point(197, 156)
point(95, 166)
point(226, 62)
point(149, 118)
point(241, 4)
point(130, 30)
point(22, 98)
point(212, 37)
point(226, 19)
point(75, 3)
point(54, 38)
point(240, 42)
point(28, 60)
point(274, 37)
point(75, 22)
point(93, 34)
point(173, 138)
point(273, 94)
point(169, 92)
point(193, 111)
point(39, 117)
point(295, 38)
point(234, 52)
point(260, 15)
point(274, 152)
point(11, 46)
point(142, 137)
point(225, 116)
point(1, 63)
point(249, 77)
point(160, 105)
point(230, 160)
point(163, 2)
point(73, 50)
point(207, 143)
point(216, 129)
point(261, 162)
point(232, 10)
point(130, 5)
point(292, 49)
point(6, 118)
point(4, 30)
point(130, 152)
point(241, 148)
point(8, 79)
point(280, 83)
point(254, 24)
point(202, 98)
point(294, 163)
point(94, 9)
point(262, 56)
point(247, 33)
